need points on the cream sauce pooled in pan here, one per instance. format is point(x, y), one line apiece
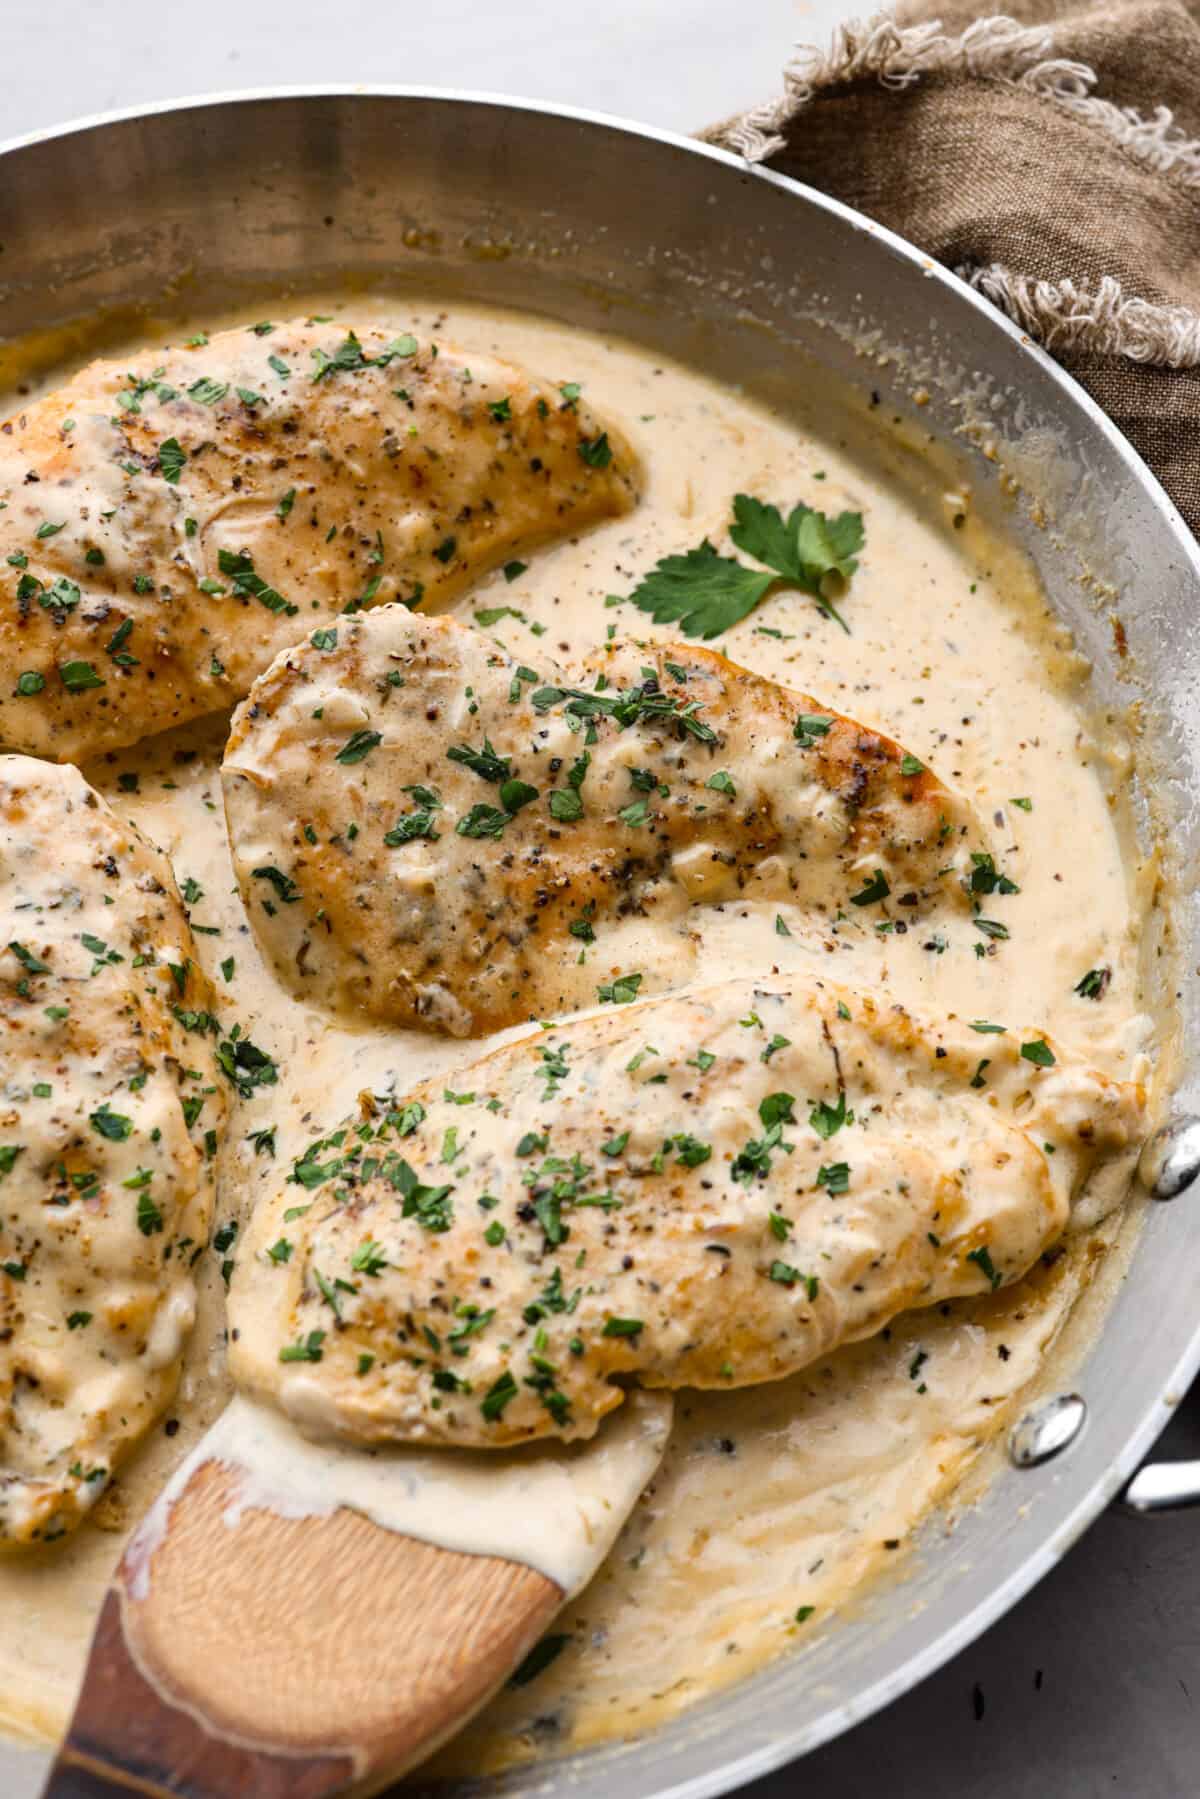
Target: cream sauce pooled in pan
point(773, 1505)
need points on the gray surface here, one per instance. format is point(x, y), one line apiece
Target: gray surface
point(1113, 1630)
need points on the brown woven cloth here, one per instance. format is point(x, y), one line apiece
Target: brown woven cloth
point(1052, 158)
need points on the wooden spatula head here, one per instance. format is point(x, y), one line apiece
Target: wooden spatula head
point(243, 1652)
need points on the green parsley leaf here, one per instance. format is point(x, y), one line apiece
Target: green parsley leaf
point(358, 747)
point(208, 391)
point(619, 991)
point(77, 677)
point(28, 960)
point(1094, 984)
point(809, 727)
point(704, 592)
point(247, 584)
point(113, 1125)
point(827, 1120)
point(810, 550)
point(595, 451)
point(983, 1261)
point(171, 458)
point(876, 889)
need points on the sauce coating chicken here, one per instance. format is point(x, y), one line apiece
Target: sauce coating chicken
point(710, 1190)
point(426, 832)
point(110, 1111)
point(168, 524)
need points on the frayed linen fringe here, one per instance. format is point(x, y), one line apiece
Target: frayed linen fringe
point(1064, 316)
point(996, 49)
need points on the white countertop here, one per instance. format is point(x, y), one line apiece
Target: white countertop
point(1086, 1688)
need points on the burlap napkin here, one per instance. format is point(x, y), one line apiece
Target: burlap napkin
point(1052, 158)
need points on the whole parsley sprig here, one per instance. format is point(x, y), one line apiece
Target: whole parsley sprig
point(705, 593)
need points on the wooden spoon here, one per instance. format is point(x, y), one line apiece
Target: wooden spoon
point(259, 1640)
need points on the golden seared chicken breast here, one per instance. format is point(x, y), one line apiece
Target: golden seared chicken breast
point(109, 1118)
point(710, 1190)
point(168, 524)
point(426, 832)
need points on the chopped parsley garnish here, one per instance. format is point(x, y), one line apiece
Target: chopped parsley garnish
point(358, 746)
point(149, 1218)
point(415, 824)
point(909, 765)
point(77, 677)
point(483, 821)
point(809, 727)
point(1038, 1052)
point(432, 1207)
point(248, 585)
point(595, 451)
point(28, 960)
point(985, 877)
point(827, 1120)
point(983, 1261)
point(307, 1350)
point(485, 763)
point(497, 1396)
point(620, 990)
point(243, 1063)
point(1094, 984)
point(787, 1276)
point(171, 458)
point(113, 1125)
point(622, 1327)
point(207, 391)
point(369, 1258)
point(876, 889)
point(283, 884)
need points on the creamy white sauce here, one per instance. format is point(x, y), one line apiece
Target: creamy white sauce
point(784, 1496)
point(557, 1509)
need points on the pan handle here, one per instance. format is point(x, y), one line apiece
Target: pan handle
point(1162, 1487)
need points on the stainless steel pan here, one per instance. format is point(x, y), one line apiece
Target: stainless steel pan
point(615, 226)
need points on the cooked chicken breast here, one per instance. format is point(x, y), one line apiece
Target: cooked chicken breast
point(426, 832)
point(109, 1114)
point(710, 1190)
point(168, 524)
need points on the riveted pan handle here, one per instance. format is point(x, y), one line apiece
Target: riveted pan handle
point(1163, 1487)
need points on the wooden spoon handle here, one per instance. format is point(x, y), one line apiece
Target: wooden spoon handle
point(127, 1739)
point(243, 1653)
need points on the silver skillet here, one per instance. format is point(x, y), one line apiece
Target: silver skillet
point(770, 285)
